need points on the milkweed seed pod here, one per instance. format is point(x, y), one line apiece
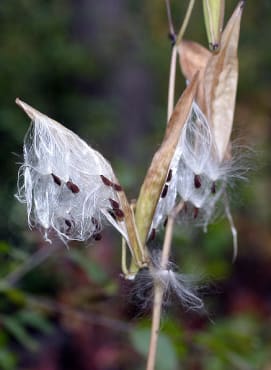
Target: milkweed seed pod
point(216, 95)
point(68, 186)
point(196, 175)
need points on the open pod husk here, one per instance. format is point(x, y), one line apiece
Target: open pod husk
point(156, 176)
point(218, 79)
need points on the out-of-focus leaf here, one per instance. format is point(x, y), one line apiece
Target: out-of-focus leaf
point(92, 269)
point(16, 296)
point(18, 254)
point(35, 320)
point(17, 330)
point(8, 360)
point(166, 356)
point(4, 247)
point(234, 342)
point(218, 240)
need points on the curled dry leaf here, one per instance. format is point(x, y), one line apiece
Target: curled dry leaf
point(158, 171)
point(69, 187)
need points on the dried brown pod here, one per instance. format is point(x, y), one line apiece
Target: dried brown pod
point(159, 168)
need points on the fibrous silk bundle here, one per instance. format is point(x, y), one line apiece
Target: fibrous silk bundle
point(68, 186)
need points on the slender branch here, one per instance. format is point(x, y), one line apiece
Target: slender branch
point(171, 83)
point(185, 21)
point(82, 315)
point(156, 317)
point(159, 289)
point(31, 263)
point(174, 53)
point(170, 22)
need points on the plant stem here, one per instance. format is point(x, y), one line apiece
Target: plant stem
point(185, 21)
point(170, 22)
point(159, 289)
point(174, 53)
point(156, 316)
point(171, 84)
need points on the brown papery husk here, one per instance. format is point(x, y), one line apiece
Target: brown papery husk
point(193, 58)
point(158, 170)
point(217, 81)
point(220, 83)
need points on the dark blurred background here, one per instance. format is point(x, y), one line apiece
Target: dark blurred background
point(101, 68)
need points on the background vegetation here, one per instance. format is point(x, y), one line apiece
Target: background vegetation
point(101, 68)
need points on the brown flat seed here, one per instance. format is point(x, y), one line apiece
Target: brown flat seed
point(95, 222)
point(68, 223)
point(114, 203)
point(56, 179)
point(97, 236)
point(197, 181)
point(152, 234)
point(73, 187)
point(119, 214)
point(196, 212)
point(116, 187)
point(106, 181)
point(169, 176)
point(213, 188)
point(164, 192)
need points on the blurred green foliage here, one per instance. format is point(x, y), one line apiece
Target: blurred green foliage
point(102, 70)
point(166, 355)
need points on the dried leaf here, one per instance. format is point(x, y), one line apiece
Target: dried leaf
point(158, 170)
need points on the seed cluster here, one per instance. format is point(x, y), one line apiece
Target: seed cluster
point(196, 176)
point(68, 187)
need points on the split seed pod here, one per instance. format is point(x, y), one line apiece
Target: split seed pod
point(158, 171)
point(218, 83)
point(69, 187)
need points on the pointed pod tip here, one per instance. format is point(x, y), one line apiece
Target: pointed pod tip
point(31, 112)
point(240, 7)
point(19, 102)
point(242, 4)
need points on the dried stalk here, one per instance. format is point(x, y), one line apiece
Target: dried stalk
point(174, 53)
point(158, 288)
